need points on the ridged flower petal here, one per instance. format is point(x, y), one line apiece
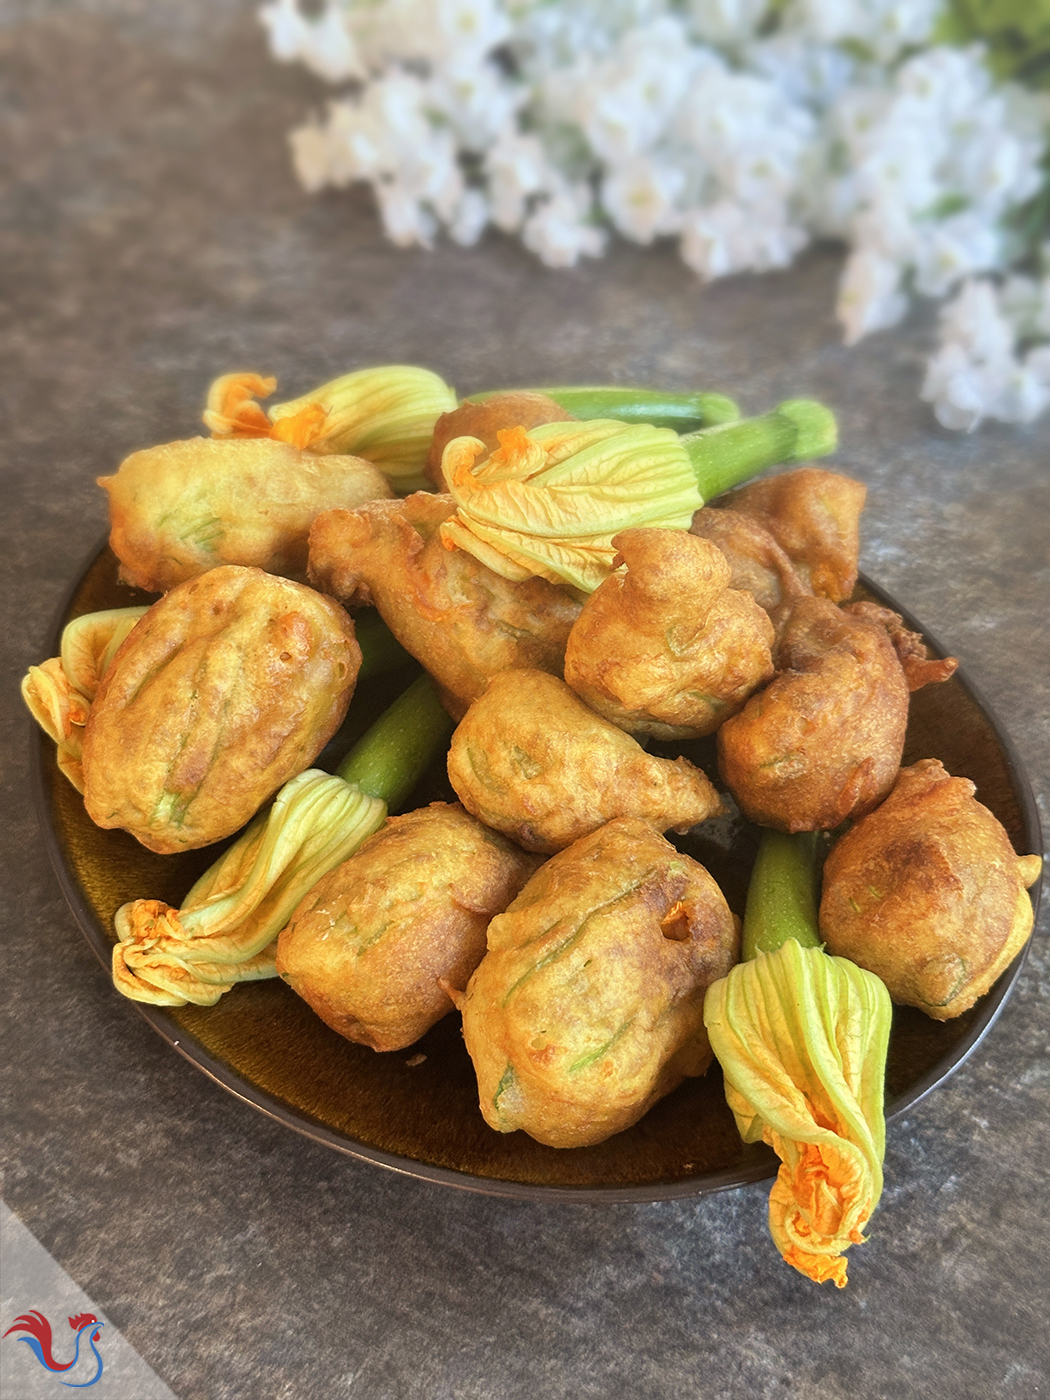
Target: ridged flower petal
point(802, 1041)
point(238, 907)
point(549, 501)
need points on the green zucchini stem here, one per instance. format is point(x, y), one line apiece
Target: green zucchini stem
point(390, 757)
point(683, 413)
point(782, 896)
point(726, 455)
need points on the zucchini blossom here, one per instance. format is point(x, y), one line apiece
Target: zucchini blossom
point(549, 499)
point(802, 1040)
point(385, 415)
point(59, 691)
point(226, 929)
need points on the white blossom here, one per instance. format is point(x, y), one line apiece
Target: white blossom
point(517, 167)
point(470, 218)
point(641, 197)
point(886, 27)
point(744, 129)
point(978, 371)
point(731, 22)
point(324, 44)
point(870, 294)
point(558, 233)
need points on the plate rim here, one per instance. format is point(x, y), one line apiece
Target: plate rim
point(763, 1163)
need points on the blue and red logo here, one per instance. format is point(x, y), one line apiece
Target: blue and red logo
point(38, 1339)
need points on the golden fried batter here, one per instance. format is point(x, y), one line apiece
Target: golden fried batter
point(756, 562)
point(668, 648)
point(824, 740)
point(463, 622)
point(370, 944)
point(515, 409)
point(532, 760)
point(928, 893)
point(184, 507)
point(588, 1006)
point(919, 668)
point(227, 687)
point(814, 516)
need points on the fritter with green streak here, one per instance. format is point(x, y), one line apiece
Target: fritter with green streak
point(532, 760)
point(588, 1005)
point(182, 508)
point(928, 893)
point(373, 945)
point(668, 648)
point(227, 687)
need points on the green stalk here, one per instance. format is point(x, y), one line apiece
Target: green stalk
point(730, 453)
point(681, 412)
point(389, 759)
point(782, 897)
point(802, 1040)
point(226, 929)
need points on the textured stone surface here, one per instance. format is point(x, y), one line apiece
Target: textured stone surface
point(152, 237)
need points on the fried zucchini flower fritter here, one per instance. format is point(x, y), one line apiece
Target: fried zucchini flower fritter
point(373, 944)
point(814, 516)
point(823, 741)
point(460, 620)
point(789, 536)
point(928, 893)
point(530, 759)
point(588, 1005)
point(228, 686)
point(185, 507)
point(668, 648)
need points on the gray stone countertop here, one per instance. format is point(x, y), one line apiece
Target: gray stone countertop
point(153, 237)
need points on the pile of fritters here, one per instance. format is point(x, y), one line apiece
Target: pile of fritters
point(581, 978)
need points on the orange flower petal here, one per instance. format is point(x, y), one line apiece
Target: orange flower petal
point(231, 410)
point(301, 429)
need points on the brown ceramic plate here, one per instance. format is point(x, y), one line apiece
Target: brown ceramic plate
point(420, 1116)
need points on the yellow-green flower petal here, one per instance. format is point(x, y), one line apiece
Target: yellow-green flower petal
point(802, 1041)
point(385, 415)
point(58, 693)
point(548, 501)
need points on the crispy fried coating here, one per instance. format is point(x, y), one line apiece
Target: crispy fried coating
point(588, 1005)
point(514, 409)
point(185, 507)
point(757, 564)
point(824, 740)
point(532, 760)
point(227, 687)
point(814, 516)
point(928, 893)
point(370, 945)
point(919, 668)
point(460, 620)
point(668, 648)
